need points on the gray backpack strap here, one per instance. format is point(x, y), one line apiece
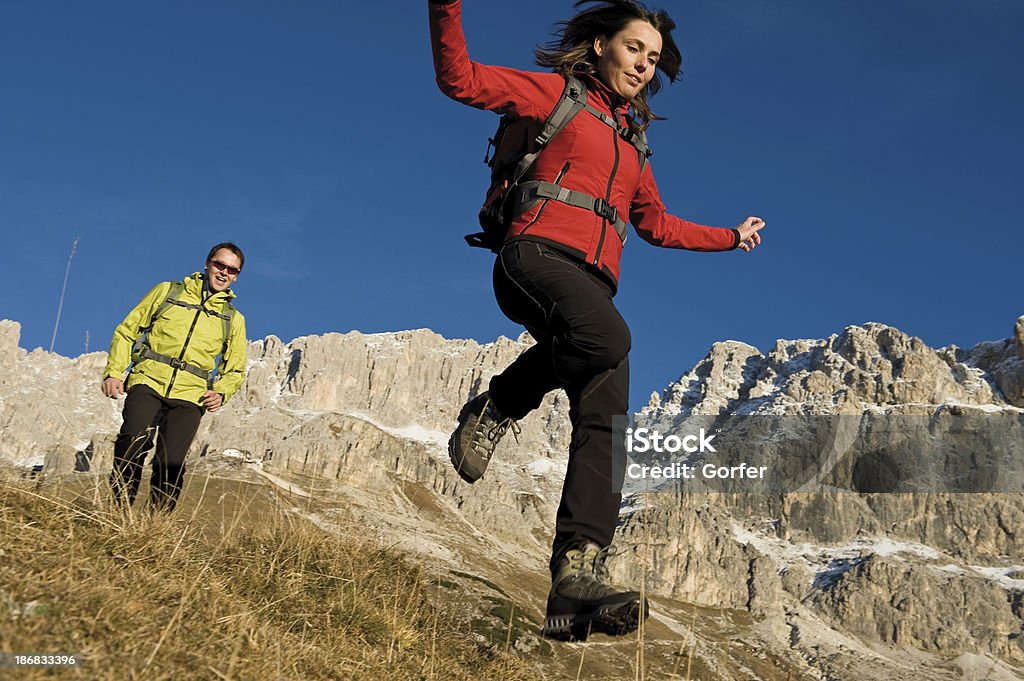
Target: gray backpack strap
point(170, 299)
point(631, 133)
point(534, 190)
point(174, 362)
point(638, 138)
point(227, 317)
point(572, 101)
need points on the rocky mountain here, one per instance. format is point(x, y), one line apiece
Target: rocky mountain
point(934, 571)
point(834, 581)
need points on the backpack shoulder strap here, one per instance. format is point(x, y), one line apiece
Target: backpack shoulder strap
point(630, 132)
point(571, 102)
point(171, 298)
point(173, 291)
point(638, 138)
point(227, 316)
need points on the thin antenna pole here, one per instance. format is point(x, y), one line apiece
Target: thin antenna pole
point(87, 341)
point(63, 289)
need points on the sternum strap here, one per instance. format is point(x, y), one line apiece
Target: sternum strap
point(181, 365)
point(529, 193)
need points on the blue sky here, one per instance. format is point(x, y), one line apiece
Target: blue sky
point(880, 141)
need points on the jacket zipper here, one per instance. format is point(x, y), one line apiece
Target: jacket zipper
point(608, 195)
point(188, 337)
point(544, 204)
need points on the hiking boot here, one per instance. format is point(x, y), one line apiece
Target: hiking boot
point(480, 428)
point(582, 601)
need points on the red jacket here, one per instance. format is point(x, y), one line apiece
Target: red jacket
point(601, 163)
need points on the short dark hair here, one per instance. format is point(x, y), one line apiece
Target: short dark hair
point(231, 247)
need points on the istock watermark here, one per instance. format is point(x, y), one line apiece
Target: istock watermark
point(643, 440)
point(946, 449)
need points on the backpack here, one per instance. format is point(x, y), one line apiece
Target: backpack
point(141, 349)
point(514, 153)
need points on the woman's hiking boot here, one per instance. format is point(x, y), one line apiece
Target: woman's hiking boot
point(582, 601)
point(480, 428)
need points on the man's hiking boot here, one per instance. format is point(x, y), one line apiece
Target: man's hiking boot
point(480, 428)
point(581, 600)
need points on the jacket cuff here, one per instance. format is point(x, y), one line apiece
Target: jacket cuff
point(735, 238)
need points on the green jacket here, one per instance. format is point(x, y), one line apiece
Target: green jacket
point(192, 335)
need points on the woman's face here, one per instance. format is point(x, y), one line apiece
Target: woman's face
point(626, 61)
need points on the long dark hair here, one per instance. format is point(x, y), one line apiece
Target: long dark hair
point(572, 50)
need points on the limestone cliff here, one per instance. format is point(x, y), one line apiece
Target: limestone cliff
point(934, 570)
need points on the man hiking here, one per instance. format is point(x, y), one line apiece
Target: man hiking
point(184, 348)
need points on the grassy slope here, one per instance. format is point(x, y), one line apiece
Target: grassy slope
point(222, 589)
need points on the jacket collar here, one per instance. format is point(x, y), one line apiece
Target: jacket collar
point(612, 100)
point(194, 284)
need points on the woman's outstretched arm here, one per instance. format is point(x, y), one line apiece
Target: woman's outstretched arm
point(495, 88)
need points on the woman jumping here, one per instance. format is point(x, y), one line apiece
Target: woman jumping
point(558, 267)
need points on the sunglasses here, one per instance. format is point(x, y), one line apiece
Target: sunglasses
point(226, 269)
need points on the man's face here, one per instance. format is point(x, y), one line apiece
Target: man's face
point(222, 270)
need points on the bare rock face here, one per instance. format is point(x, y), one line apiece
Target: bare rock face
point(887, 599)
point(1004, 362)
point(873, 364)
point(369, 410)
point(51, 407)
point(10, 334)
point(396, 379)
point(411, 384)
point(935, 571)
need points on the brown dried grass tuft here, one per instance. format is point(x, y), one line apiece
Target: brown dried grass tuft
point(231, 586)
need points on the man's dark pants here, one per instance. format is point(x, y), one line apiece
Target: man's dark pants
point(144, 411)
point(582, 346)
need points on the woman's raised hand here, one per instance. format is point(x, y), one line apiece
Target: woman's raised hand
point(748, 230)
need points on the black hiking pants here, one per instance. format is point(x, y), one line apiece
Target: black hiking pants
point(582, 347)
point(144, 411)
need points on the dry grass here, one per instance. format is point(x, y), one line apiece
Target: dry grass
point(207, 593)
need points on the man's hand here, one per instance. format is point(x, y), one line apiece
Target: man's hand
point(112, 387)
point(212, 400)
point(749, 238)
